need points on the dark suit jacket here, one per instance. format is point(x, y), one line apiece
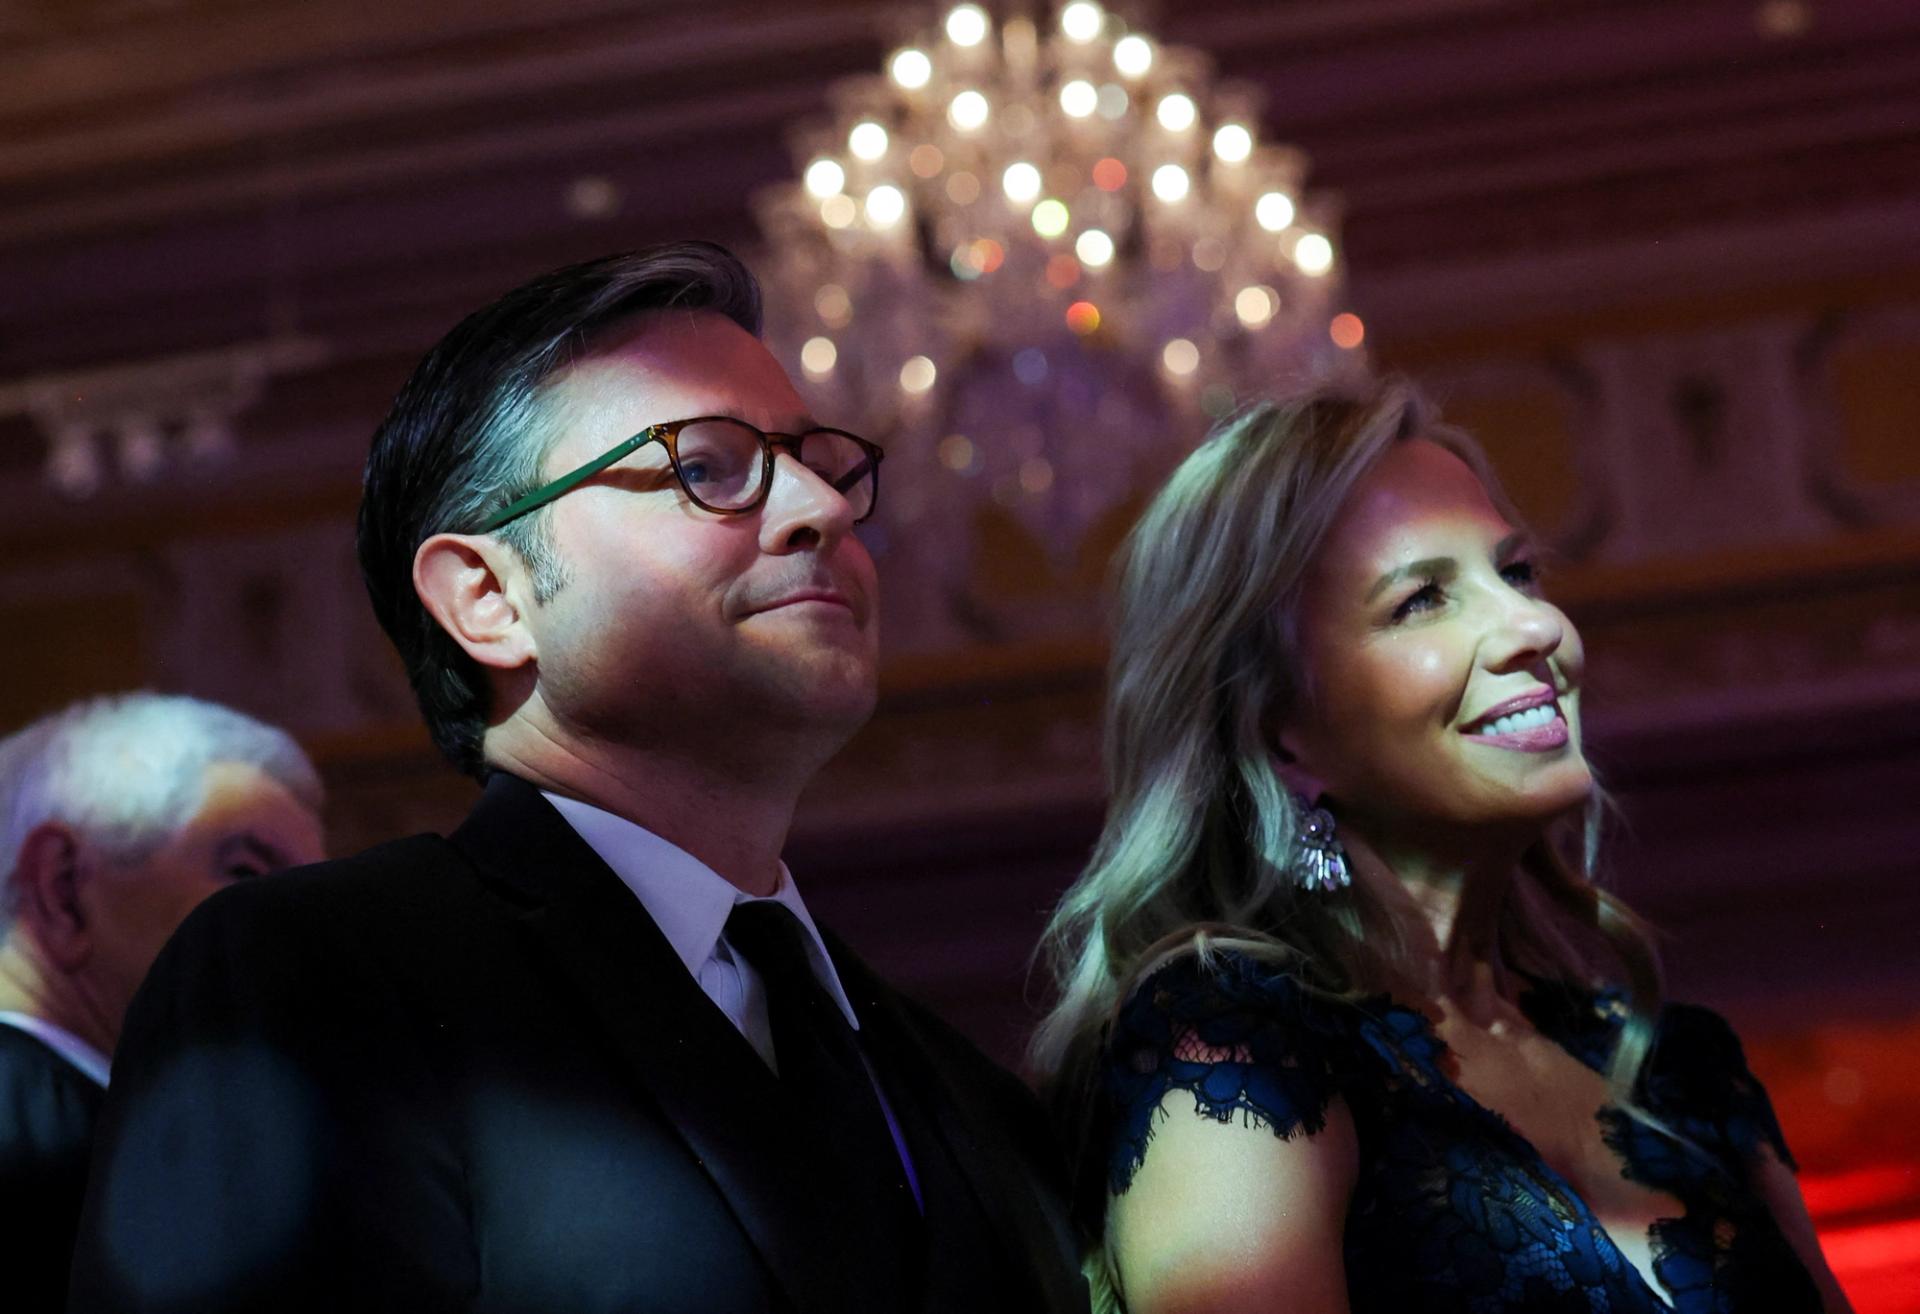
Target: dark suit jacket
point(47, 1112)
point(470, 1074)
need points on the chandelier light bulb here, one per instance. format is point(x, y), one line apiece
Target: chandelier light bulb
point(1079, 98)
point(926, 160)
point(1036, 472)
point(1255, 306)
point(1133, 56)
point(1273, 211)
point(885, 205)
point(867, 141)
point(1045, 171)
point(825, 178)
point(968, 111)
point(1176, 112)
point(966, 25)
point(917, 376)
point(1314, 254)
point(1082, 21)
point(833, 305)
point(1233, 143)
point(818, 356)
point(1083, 317)
point(1050, 218)
point(1094, 248)
point(911, 69)
point(1021, 182)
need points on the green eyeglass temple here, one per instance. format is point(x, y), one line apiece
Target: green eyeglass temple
point(665, 434)
point(566, 483)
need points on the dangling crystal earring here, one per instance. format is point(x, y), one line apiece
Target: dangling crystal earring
point(1321, 864)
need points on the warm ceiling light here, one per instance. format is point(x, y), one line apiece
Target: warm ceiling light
point(867, 141)
point(1233, 143)
point(1082, 21)
point(1255, 306)
point(917, 375)
point(1021, 183)
point(818, 356)
point(1170, 183)
point(1314, 254)
point(1133, 55)
point(1176, 112)
point(1094, 248)
point(1050, 218)
point(1079, 98)
point(911, 69)
point(1273, 211)
point(967, 25)
point(824, 178)
point(886, 204)
point(968, 111)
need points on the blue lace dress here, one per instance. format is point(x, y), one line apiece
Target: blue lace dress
point(1453, 1210)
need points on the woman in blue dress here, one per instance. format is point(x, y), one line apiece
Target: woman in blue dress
point(1343, 1022)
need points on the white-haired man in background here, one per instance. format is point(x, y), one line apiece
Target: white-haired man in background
point(117, 816)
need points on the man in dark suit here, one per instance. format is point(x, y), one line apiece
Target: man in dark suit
point(117, 816)
point(590, 1052)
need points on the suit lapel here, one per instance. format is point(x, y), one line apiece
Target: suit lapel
point(674, 1042)
point(1038, 1241)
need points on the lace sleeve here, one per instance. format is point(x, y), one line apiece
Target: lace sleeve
point(1240, 1037)
point(1699, 1078)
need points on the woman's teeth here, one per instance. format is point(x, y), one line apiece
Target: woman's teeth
point(1514, 722)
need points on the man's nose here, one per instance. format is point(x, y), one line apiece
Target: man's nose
point(802, 508)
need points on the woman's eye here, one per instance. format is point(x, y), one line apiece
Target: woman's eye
point(241, 871)
point(1523, 575)
point(1426, 598)
point(694, 472)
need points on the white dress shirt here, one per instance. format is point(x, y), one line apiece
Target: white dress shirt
point(68, 1046)
point(690, 903)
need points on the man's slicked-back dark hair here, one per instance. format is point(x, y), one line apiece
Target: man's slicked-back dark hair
point(468, 434)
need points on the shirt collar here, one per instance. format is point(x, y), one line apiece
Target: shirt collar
point(688, 900)
point(91, 1062)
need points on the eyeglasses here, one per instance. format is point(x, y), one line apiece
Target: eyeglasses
point(725, 466)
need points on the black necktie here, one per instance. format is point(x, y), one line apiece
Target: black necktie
point(831, 1092)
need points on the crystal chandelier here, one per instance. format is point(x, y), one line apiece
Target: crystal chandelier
point(1034, 259)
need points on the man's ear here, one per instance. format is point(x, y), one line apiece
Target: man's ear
point(463, 581)
point(47, 888)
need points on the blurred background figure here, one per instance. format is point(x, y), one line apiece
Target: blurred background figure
point(117, 816)
point(1659, 259)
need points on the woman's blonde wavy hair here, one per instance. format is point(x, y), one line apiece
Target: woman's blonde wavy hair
point(1201, 834)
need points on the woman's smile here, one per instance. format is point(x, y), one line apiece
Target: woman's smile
point(1531, 722)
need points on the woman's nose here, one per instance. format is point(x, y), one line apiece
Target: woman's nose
point(1529, 629)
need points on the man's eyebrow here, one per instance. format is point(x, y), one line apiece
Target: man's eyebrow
point(1441, 568)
